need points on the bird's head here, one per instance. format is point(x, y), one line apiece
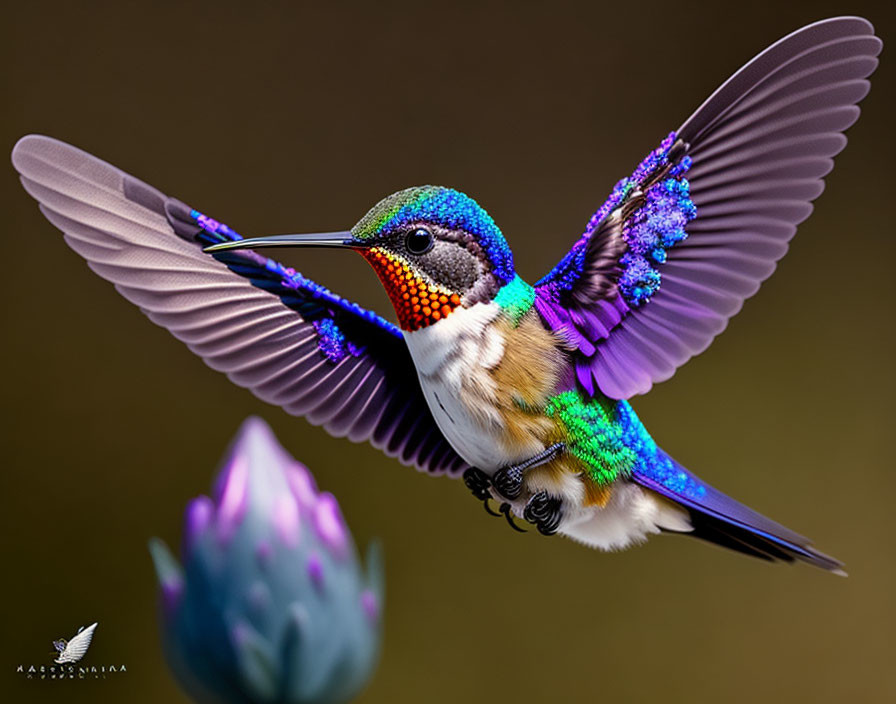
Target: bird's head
point(433, 248)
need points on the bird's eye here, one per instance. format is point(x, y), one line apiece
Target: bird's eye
point(418, 241)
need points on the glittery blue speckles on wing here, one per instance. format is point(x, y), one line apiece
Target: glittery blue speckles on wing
point(639, 281)
point(652, 462)
point(445, 207)
point(658, 158)
point(218, 230)
point(649, 232)
point(332, 342)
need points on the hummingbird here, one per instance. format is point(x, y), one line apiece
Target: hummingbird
point(521, 389)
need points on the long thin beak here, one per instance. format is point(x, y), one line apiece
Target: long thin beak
point(314, 239)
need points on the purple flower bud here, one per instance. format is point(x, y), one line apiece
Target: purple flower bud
point(272, 602)
point(231, 497)
point(197, 520)
point(329, 524)
point(302, 485)
point(286, 520)
point(371, 605)
point(315, 570)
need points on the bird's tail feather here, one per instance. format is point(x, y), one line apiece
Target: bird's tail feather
point(720, 519)
point(749, 542)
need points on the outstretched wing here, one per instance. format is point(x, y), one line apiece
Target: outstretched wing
point(679, 245)
point(77, 646)
point(271, 330)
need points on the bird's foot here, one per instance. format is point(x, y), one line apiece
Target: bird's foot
point(508, 481)
point(544, 511)
point(479, 484)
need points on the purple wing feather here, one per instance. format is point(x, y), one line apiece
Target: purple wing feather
point(753, 157)
point(287, 339)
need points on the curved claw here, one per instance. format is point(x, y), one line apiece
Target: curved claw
point(505, 509)
point(478, 482)
point(488, 509)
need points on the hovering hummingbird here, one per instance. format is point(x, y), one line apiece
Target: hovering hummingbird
point(521, 389)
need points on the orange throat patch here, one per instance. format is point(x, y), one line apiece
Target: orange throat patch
point(417, 303)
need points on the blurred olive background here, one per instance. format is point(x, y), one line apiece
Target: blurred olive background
point(280, 117)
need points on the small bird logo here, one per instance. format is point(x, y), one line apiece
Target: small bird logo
point(76, 648)
point(522, 389)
